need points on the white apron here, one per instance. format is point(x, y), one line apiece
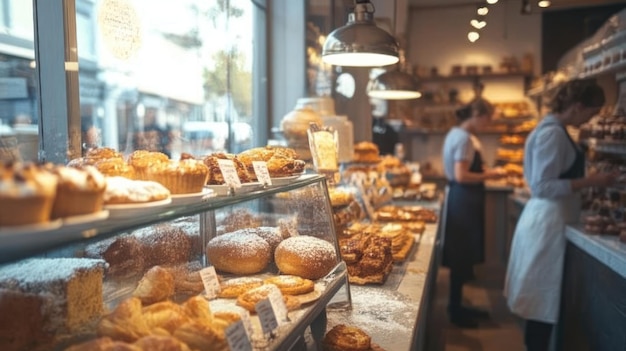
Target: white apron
point(535, 269)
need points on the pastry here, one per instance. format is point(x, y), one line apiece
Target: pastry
point(187, 278)
point(161, 343)
point(123, 254)
point(346, 338)
point(202, 336)
point(270, 234)
point(125, 323)
point(240, 218)
point(366, 152)
point(305, 256)
point(70, 288)
point(143, 160)
point(79, 191)
point(215, 174)
point(101, 153)
point(27, 193)
point(104, 344)
point(250, 298)
point(163, 244)
point(340, 197)
point(232, 288)
point(280, 161)
point(198, 309)
point(156, 285)
point(121, 190)
point(115, 167)
point(165, 315)
point(291, 284)
point(239, 253)
point(179, 177)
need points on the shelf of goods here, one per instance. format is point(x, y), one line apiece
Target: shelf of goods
point(136, 278)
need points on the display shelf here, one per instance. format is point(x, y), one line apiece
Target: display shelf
point(617, 147)
point(472, 77)
point(25, 244)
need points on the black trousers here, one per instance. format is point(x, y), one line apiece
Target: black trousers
point(537, 335)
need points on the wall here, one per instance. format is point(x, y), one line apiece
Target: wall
point(437, 36)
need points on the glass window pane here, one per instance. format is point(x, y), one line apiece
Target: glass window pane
point(18, 95)
point(170, 76)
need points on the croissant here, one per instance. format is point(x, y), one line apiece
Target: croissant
point(198, 309)
point(165, 315)
point(161, 343)
point(125, 323)
point(103, 344)
point(156, 285)
point(202, 336)
point(343, 337)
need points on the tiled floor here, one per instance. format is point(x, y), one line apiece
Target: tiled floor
point(502, 333)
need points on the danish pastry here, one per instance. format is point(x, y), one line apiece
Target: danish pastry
point(125, 323)
point(202, 336)
point(291, 284)
point(165, 315)
point(234, 287)
point(346, 338)
point(250, 298)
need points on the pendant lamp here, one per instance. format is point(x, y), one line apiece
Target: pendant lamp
point(360, 43)
point(393, 85)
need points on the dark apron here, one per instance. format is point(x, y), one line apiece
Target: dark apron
point(577, 169)
point(465, 223)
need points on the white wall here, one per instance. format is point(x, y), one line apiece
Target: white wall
point(437, 36)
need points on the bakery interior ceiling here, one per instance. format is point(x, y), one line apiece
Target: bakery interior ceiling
point(556, 4)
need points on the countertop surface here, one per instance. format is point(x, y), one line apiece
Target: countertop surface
point(388, 312)
point(605, 248)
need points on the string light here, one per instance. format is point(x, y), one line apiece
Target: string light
point(491, 2)
point(478, 24)
point(482, 10)
point(473, 36)
point(544, 3)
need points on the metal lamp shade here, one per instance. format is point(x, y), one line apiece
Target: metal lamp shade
point(393, 85)
point(360, 43)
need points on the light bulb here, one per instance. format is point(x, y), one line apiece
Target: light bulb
point(482, 10)
point(478, 24)
point(491, 2)
point(544, 3)
point(473, 36)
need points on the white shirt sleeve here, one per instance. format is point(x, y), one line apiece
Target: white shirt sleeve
point(464, 149)
point(552, 154)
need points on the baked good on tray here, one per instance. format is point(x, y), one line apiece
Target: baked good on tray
point(281, 161)
point(179, 177)
point(79, 190)
point(239, 252)
point(215, 174)
point(232, 288)
point(122, 190)
point(366, 152)
point(143, 160)
point(250, 298)
point(305, 256)
point(346, 338)
point(27, 193)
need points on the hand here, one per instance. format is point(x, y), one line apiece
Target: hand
point(495, 173)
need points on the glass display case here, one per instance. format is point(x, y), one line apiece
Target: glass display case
point(130, 274)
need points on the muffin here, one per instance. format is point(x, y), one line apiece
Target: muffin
point(142, 160)
point(79, 191)
point(94, 156)
point(115, 167)
point(180, 177)
point(27, 193)
point(366, 152)
point(215, 174)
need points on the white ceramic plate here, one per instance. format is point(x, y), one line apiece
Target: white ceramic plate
point(285, 180)
point(222, 189)
point(132, 210)
point(30, 228)
point(186, 199)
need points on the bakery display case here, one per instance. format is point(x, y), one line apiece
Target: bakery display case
point(138, 276)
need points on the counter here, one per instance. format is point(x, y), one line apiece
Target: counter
point(394, 314)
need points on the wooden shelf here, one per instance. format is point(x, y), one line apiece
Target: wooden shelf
point(465, 77)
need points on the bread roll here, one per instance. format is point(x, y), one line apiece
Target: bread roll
point(305, 256)
point(239, 253)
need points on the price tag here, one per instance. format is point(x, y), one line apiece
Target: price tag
point(237, 337)
point(266, 316)
point(278, 304)
point(210, 281)
point(229, 172)
point(262, 173)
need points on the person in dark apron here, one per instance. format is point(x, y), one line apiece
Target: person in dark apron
point(554, 169)
point(465, 206)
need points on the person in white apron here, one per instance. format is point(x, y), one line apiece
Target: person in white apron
point(465, 206)
point(554, 169)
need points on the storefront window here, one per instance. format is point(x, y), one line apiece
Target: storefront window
point(171, 76)
point(18, 95)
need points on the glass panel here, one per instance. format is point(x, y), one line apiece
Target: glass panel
point(18, 95)
point(169, 76)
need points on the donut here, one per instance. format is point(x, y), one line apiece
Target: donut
point(305, 256)
point(238, 253)
point(234, 287)
point(269, 234)
point(291, 284)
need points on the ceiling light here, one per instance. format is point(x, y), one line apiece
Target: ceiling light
point(393, 85)
point(478, 24)
point(360, 42)
point(544, 3)
point(482, 10)
point(491, 2)
point(473, 36)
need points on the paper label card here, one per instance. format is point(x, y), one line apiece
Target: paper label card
point(262, 173)
point(266, 316)
point(210, 281)
point(229, 172)
point(278, 305)
point(237, 337)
